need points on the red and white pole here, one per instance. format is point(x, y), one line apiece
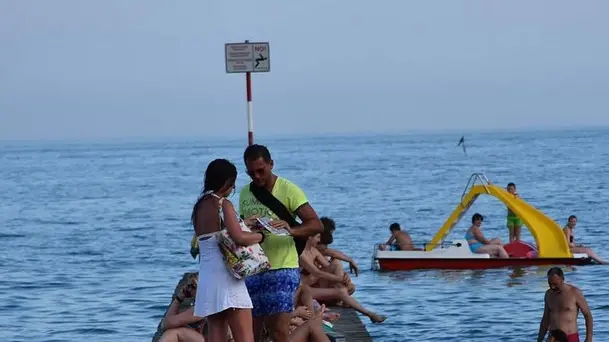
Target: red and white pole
point(250, 115)
point(250, 118)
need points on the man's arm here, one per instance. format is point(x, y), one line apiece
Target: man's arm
point(545, 320)
point(311, 224)
point(582, 304)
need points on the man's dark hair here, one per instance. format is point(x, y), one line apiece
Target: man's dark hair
point(559, 335)
point(477, 216)
point(511, 184)
point(328, 223)
point(394, 227)
point(255, 151)
point(556, 271)
point(572, 217)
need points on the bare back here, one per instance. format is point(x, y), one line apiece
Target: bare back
point(404, 240)
point(207, 219)
point(563, 309)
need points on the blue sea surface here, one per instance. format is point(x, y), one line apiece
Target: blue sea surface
point(95, 236)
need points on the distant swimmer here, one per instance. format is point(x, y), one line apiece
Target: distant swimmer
point(514, 224)
point(576, 248)
point(399, 240)
point(562, 304)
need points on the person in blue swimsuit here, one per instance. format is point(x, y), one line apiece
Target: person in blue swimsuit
point(479, 244)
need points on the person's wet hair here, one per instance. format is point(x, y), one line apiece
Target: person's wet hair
point(217, 174)
point(255, 151)
point(571, 217)
point(328, 223)
point(326, 238)
point(559, 335)
point(477, 216)
point(556, 271)
point(394, 227)
point(511, 184)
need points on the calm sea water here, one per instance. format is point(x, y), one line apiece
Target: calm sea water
point(94, 237)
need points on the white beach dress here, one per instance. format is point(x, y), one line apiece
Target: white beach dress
point(217, 288)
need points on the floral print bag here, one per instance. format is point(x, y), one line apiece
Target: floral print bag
point(241, 261)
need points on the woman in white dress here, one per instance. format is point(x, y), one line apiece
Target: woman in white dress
point(222, 298)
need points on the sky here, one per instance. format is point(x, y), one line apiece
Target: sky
point(148, 68)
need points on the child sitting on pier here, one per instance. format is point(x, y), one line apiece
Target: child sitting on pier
point(325, 286)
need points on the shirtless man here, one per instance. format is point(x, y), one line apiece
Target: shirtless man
point(403, 241)
point(562, 305)
point(578, 248)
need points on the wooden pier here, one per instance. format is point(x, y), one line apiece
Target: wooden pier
point(349, 328)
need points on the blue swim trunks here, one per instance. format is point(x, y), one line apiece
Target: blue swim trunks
point(273, 291)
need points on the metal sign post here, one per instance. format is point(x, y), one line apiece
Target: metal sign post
point(247, 58)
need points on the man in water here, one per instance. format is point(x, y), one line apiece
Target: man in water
point(399, 240)
point(578, 248)
point(562, 304)
point(273, 292)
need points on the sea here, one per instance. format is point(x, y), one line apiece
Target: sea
point(94, 236)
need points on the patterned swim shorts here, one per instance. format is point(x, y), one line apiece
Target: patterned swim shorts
point(273, 291)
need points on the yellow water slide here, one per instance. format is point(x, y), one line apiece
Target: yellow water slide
point(550, 239)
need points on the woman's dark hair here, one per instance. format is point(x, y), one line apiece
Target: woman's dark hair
point(477, 217)
point(217, 174)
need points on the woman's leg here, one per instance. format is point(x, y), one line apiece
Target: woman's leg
point(590, 253)
point(342, 294)
point(494, 251)
point(217, 327)
point(181, 335)
point(241, 325)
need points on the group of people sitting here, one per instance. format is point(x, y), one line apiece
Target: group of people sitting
point(286, 303)
point(478, 243)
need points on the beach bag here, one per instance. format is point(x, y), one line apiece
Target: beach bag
point(241, 261)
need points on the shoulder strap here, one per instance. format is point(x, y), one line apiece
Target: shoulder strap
point(220, 210)
point(264, 196)
point(268, 200)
